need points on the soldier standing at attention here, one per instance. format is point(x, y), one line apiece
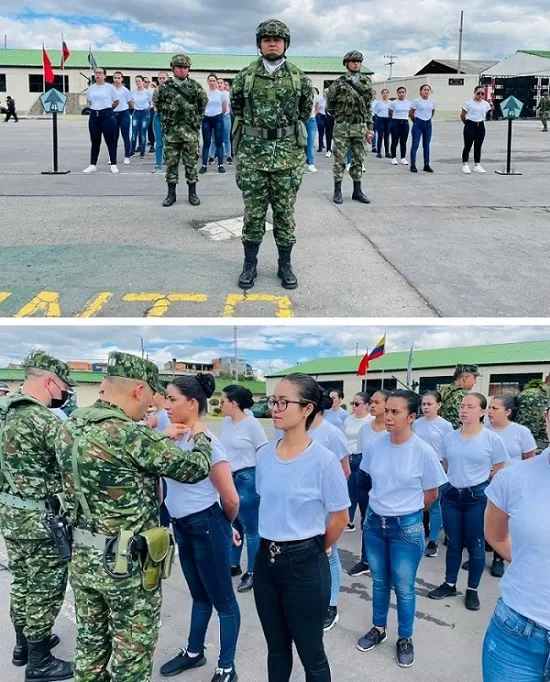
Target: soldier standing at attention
point(349, 101)
point(532, 403)
point(544, 111)
point(180, 104)
point(29, 480)
point(110, 468)
point(464, 380)
point(272, 101)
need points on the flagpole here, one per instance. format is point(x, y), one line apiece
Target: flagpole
point(62, 65)
point(43, 70)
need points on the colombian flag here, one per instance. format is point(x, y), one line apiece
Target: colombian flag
point(65, 54)
point(378, 352)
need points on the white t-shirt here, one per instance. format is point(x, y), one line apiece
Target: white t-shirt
point(215, 101)
point(476, 111)
point(332, 438)
point(517, 439)
point(382, 108)
point(367, 435)
point(297, 495)
point(124, 96)
point(241, 441)
point(322, 102)
point(162, 419)
point(352, 426)
point(101, 96)
point(400, 109)
point(373, 106)
point(433, 431)
point(522, 492)
point(470, 460)
point(142, 99)
point(59, 413)
point(183, 499)
point(401, 474)
point(424, 108)
point(336, 417)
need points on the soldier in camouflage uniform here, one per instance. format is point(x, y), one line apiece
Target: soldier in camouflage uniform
point(110, 467)
point(349, 102)
point(532, 402)
point(29, 480)
point(180, 104)
point(544, 111)
point(272, 101)
point(464, 378)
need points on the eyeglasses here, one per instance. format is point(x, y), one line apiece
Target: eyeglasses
point(357, 404)
point(282, 404)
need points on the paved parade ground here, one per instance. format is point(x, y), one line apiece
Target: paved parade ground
point(447, 638)
point(444, 244)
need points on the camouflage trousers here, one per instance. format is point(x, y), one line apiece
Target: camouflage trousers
point(117, 623)
point(544, 120)
point(184, 147)
point(341, 145)
point(262, 188)
point(38, 585)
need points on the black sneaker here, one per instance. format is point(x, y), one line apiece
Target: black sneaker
point(388, 156)
point(229, 160)
point(379, 156)
point(373, 638)
point(442, 592)
point(203, 170)
point(221, 169)
point(142, 155)
point(497, 569)
point(360, 568)
point(472, 600)
point(428, 169)
point(246, 584)
point(466, 566)
point(211, 161)
point(414, 169)
point(236, 570)
point(405, 652)
point(432, 549)
point(182, 662)
point(331, 619)
point(223, 676)
point(350, 528)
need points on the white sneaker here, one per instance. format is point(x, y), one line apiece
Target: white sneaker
point(90, 169)
point(348, 166)
point(328, 155)
point(114, 169)
point(479, 169)
point(363, 168)
point(312, 169)
point(466, 169)
point(395, 162)
point(404, 162)
point(126, 161)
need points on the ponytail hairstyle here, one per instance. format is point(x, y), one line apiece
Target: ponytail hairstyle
point(509, 402)
point(240, 395)
point(325, 402)
point(199, 388)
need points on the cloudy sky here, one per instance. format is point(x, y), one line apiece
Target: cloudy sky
point(267, 348)
point(416, 31)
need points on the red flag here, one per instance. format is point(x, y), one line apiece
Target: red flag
point(48, 71)
point(363, 365)
point(65, 54)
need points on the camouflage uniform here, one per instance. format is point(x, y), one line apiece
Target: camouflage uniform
point(269, 160)
point(30, 476)
point(118, 467)
point(531, 406)
point(544, 111)
point(181, 106)
point(452, 396)
point(349, 102)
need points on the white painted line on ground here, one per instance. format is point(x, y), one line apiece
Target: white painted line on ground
point(232, 228)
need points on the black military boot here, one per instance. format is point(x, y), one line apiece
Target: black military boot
point(285, 274)
point(249, 273)
point(358, 193)
point(21, 650)
point(43, 667)
point(337, 197)
point(171, 196)
point(193, 198)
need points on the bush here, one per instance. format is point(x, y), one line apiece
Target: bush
point(344, 406)
point(214, 402)
point(217, 411)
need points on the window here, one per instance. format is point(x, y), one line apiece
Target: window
point(36, 83)
point(2, 82)
point(510, 383)
point(332, 385)
point(434, 383)
point(373, 385)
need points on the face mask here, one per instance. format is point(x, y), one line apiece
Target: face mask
point(56, 403)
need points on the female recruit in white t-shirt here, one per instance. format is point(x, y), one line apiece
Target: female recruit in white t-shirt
point(519, 441)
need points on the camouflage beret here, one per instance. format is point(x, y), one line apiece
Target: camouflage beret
point(40, 360)
point(132, 367)
point(468, 369)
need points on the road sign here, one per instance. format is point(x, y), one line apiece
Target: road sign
point(511, 108)
point(53, 101)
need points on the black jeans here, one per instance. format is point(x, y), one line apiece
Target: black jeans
point(103, 122)
point(399, 136)
point(329, 131)
point(11, 113)
point(383, 134)
point(321, 130)
point(292, 595)
point(474, 134)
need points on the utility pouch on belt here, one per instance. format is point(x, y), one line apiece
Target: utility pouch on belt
point(123, 553)
point(237, 132)
point(301, 134)
point(157, 558)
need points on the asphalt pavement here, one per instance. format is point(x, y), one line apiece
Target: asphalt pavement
point(445, 244)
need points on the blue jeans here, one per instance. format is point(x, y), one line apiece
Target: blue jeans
point(246, 522)
point(204, 541)
point(463, 518)
point(436, 518)
point(227, 125)
point(311, 127)
point(395, 546)
point(422, 130)
point(124, 121)
point(159, 140)
point(335, 575)
point(140, 126)
point(364, 486)
point(212, 125)
point(515, 648)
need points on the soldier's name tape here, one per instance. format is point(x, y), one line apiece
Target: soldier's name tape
point(49, 304)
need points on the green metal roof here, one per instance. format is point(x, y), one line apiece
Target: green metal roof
point(153, 61)
point(537, 53)
point(531, 352)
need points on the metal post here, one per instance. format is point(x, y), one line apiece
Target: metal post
point(55, 142)
point(461, 37)
point(509, 150)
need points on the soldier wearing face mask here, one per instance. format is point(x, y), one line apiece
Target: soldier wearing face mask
point(29, 483)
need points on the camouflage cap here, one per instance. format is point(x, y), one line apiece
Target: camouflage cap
point(273, 28)
point(352, 56)
point(468, 369)
point(4, 388)
point(133, 367)
point(40, 360)
point(180, 60)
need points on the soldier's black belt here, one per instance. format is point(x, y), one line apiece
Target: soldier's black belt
point(269, 133)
